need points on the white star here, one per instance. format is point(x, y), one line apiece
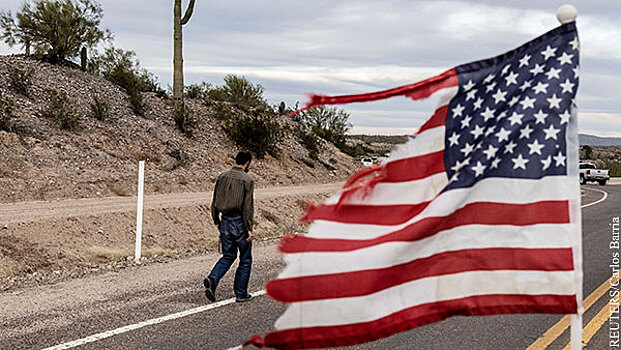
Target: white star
point(519, 162)
point(525, 132)
point(513, 101)
point(488, 114)
point(538, 69)
point(466, 122)
point(565, 117)
point(478, 169)
point(567, 86)
point(457, 110)
point(505, 69)
point(499, 96)
point(468, 148)
point(469, 85)
point(477, 104)
point(560, 159)
point(489, 78)
point(541, 117)
point(511, 79)
point(525, 85)
point(527, 102)
point(495, 163)
point(551, 132)
point(576, 71)
point(471, 94)
point(490, 87)
point(490, 130)
point(524, 60)
point(502, 114)
point(503, 134)
point(478, 131)
point(553, 73)
point(546, 163)
point(516, 118)
point(535, 147)
point(459, 165)
point(490, 152)
point(554, 101)
point(455, 177)
point(509, 147)
point(548, 52)
point(565, 58)
point(541, 88)
point(575, 44)
point(454, 139)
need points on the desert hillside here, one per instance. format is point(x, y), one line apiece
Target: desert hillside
point(99, 158)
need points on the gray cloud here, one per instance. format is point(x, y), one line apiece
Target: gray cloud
point(351, 46)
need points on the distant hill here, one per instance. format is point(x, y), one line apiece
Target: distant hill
point(592, 140)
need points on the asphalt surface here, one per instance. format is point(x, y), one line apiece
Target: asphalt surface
point(45, 316)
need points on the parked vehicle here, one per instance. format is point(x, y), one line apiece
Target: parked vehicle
point(367, 161)
point(590, 173)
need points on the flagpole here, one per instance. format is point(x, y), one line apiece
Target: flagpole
point(565, 14)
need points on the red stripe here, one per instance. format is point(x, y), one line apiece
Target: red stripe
point(420, 315)
point(415, 168)
point(481, 213)
point(437, 119)
point(358, 283)
point(416, 91)
point(365, 214)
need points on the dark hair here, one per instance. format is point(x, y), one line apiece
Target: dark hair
point(242, 157)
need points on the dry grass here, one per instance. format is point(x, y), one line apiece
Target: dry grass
point(106, 254)
point(119, 189)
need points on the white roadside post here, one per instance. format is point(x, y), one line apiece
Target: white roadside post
point(138, 251)
point(565, 14)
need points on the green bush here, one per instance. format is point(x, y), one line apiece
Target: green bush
point(329, 123)
point(60, 110)
point(20, 81)
point(56, 29)
point(240, 92)
point(256, 131)
point(6, 113)
point(198, 91)
point(185, 120)
point(121, 68)
point(358, 150)
point(99, 108)
point(310, 140)
point(614, 167)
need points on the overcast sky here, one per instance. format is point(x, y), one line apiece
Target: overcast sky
point(296, 47)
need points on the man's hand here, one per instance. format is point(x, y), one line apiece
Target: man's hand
point(250, 237)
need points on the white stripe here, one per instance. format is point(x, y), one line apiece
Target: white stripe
point(499, 190)
point(428, 290)
point(410, 192)
point(107, 334)
point(459, 238)
point(428, 141)
point(445, 95)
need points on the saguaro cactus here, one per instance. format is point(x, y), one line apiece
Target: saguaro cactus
point(178, 24)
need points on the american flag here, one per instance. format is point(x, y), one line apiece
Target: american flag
point(477, 215)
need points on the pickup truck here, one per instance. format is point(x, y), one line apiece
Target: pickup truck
point(589, 172)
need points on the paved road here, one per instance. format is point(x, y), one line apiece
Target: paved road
point(39, 210)
point(50, 315)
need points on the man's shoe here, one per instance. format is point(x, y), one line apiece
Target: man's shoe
point(210, 288)
point(244, 299)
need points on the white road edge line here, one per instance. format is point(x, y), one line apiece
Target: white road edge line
point(598, 201)
point(107, 334)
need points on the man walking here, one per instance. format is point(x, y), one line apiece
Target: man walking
point(233, 197)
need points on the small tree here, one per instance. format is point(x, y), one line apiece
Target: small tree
point(588, 152)
point(55, 29)
point(329, 123)
point(240, 92)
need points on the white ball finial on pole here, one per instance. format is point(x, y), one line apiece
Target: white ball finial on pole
point(566, 13)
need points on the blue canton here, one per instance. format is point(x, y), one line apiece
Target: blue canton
point(510, 115)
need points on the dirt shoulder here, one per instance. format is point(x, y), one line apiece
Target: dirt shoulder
point(48, 240)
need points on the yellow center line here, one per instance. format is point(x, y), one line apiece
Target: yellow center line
point(555, 331)
point(595, 324)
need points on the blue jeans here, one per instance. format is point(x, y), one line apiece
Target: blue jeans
point(233, 237)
